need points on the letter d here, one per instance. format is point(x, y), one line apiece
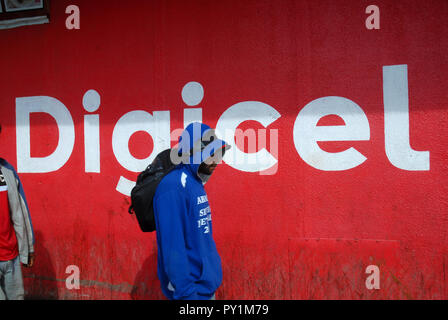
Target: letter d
point(55, 108)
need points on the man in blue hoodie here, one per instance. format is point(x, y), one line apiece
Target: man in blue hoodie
point(189, 266)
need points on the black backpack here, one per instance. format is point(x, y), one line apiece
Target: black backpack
point(143, 193)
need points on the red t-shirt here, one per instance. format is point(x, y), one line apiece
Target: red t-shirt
point(8, 241)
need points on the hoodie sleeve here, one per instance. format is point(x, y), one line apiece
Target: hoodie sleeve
point(171, 214)
point(25, 211)
point(27, 216)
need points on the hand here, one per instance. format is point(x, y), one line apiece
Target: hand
point(31, 258)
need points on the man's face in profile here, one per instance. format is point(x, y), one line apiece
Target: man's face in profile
point(209, 165)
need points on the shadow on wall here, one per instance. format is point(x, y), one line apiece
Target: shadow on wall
point(146, 283)
point(40, 280)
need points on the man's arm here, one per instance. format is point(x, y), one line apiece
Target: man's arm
point(171, 212)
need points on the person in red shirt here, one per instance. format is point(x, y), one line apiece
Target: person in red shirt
point(16, 233)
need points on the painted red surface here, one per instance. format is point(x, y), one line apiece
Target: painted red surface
point(140, 54)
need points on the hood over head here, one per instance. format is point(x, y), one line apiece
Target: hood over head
point(198, 143)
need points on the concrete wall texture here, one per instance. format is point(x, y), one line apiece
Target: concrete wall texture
point(353, 171)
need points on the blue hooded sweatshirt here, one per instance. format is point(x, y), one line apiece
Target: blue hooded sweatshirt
point(188, 264)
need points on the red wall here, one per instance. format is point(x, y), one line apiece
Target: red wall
point(299, 233)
